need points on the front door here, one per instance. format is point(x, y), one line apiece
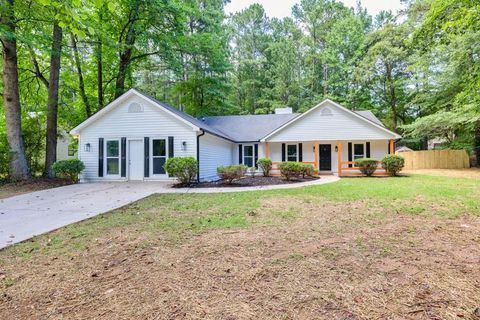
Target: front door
point(135, 160)
point(325, 157)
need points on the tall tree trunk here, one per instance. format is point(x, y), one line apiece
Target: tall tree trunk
point(51, 148)
point(11, 96)
point(81, 84)
point(99, 66)
point(477, 143)
point(392, 95)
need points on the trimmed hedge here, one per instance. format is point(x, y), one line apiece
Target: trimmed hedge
point(308, 170)
point(231, 173)
point(183, 168)
point(265, 165)
point(69, 169)
point(290, 170)
point(367, 166)
point(393, 164)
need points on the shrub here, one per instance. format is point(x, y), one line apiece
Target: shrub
point(308, 170)
point(231, 173)
point(290, 170)
point(367, 166)
point(182, 168)
point(252, 171)
point(69, 168)
point(393, 164)
point(265, 165)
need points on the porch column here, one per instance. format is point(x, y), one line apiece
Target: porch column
point(315, 154)
point(266, 150)
point(392, 146)
point(339, 158)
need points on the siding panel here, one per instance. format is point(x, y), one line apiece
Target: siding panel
point(214, 152)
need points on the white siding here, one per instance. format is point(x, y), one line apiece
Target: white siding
point(214, 152)
point(332, 124)
point(118, 122)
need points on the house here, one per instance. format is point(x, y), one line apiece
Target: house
point(132, 137)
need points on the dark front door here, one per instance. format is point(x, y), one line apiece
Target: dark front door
point(325, 157)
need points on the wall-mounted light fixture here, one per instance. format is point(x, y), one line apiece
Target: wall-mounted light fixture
point(87, 147)
point(336, 148)
point(184, 145)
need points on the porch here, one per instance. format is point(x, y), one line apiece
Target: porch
point(329, 157)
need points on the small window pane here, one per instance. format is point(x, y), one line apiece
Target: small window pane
point(358, 148)
point(248, 161)
point(159, 148)
point(112, 166)
point(292, 150)
point(294, 159)
point(112, 148)
point(158, 165)
point(248, 150)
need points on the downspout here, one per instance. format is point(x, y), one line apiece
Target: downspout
point(198, 154)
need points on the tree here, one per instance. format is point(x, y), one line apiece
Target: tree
point(11, 96)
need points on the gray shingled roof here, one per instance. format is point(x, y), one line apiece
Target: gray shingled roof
point(249, 127)
point(370, 116)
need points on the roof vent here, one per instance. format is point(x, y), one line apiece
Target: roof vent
point(283, 110)
point(135, 108)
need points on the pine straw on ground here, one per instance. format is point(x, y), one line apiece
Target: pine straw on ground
point(326, 261)
point(10, 189)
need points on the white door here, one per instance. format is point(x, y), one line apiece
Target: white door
point(135, 160)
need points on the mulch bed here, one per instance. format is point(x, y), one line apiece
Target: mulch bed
point(251, 182)
point(10, 189)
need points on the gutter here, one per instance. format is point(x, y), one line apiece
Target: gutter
point(198, 153)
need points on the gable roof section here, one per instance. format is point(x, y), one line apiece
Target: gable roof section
point(196, 124)
point(366, 116)
point(248, 128)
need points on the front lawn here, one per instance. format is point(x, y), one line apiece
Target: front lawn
point(396, 248)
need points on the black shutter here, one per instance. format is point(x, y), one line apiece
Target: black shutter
point(240, 154)
point(388, 147)
point(349, 153)
point(100, 157)
point(146, 162)
point(171, 152)
point(283, 152)
point(300, 152)
point(123, 167)
point(256, 154)
point(367, 146)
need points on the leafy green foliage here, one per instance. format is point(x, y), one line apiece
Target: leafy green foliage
point(69, 168)
point(183, 168)
point(232, 173)
point(367, 166)
point(290, 170)
point(265, 165)
point(393, 164)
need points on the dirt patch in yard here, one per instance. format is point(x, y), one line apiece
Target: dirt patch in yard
point(472, 173)
point(10, 189)
point(252, 182)
point(302, 259)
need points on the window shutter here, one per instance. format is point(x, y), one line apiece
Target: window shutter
point(100, 157)
point(388, 147)
point(171, 151)
point(240, 154)
point(123, 168)
point(146, 162)
point(367, 146)
point(255, 150)
point(283, 152)
point(350, 156)
point(300, 152)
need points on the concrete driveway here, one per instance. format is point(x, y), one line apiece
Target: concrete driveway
point(31, 214)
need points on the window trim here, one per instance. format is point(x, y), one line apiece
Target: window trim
point(106, 157)
point(151, 156)
point(252, 156)
point(296, 151)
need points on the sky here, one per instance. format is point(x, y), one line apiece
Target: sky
point(282, 8)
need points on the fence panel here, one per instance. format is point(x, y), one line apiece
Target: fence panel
point(436, 159)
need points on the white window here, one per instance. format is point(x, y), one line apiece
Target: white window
point(113, 157)
point(358, 151)
point(159, 155)
point(292, 152)
point(248, 156)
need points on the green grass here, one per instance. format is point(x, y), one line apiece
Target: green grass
point(176, 215)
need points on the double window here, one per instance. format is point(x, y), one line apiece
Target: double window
point(159, 155)
point(248, 156)
point(113, 157)
point(292, 152)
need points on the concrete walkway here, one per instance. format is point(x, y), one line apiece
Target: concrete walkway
point(28, 215)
